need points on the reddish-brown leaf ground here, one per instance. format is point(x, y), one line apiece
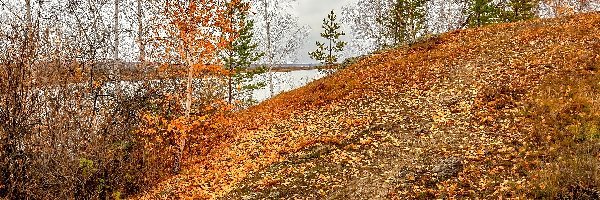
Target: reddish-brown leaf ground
point(442, 118)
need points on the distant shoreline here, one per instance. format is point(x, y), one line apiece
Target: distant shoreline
point(289, 69)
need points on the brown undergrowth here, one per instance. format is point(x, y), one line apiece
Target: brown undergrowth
point(509, 110)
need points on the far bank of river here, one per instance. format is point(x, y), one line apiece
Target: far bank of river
point(285, 81)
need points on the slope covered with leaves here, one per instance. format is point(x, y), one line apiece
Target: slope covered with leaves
point(487, 112)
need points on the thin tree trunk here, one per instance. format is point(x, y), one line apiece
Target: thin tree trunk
point(271, 85)
point(230, 83)
point(142, 44)
point(116, 42)
point(267, 18)
point(188, 107)
point(230, 89)
point(189, 90)
point(29, 18)
point(29, 36)
point(330, 62)
point(230, 68)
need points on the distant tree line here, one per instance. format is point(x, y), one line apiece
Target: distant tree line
point(379, 24)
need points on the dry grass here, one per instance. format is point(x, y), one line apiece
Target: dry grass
point(566, 116)
point(501, 99)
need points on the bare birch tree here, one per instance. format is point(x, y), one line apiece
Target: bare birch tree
point(280, 31)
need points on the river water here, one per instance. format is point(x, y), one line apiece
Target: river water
point(285, 81)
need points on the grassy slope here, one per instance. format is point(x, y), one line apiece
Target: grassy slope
point(487, 112)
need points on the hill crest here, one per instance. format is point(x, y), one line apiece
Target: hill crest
point(445, 117)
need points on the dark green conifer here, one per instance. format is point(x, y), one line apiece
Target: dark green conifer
point(327, 55)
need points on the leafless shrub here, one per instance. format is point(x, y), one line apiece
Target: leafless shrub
point(67, 128)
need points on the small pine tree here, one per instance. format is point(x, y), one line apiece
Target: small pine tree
point(405, 21)
point(518, 10)
point(238, 58)
point(482, 12)
point(327, 54)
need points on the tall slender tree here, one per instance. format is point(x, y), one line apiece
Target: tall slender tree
point(405, 21)
point(199, 29)
point(267, 17)
point(140, 32)
point(327, 55)
point(239, 55)
point(279, 33)
point(482, 12)
point(116, 34)
point(517, 10)
point(362, 17)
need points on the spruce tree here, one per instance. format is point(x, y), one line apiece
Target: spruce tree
point(518, 10)
point(238, 58)
point(405, 21)
point(482, 12)
point(327, 55)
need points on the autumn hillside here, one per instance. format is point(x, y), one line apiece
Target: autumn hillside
point(508, 110)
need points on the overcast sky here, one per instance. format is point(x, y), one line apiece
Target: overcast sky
point(311, 13)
